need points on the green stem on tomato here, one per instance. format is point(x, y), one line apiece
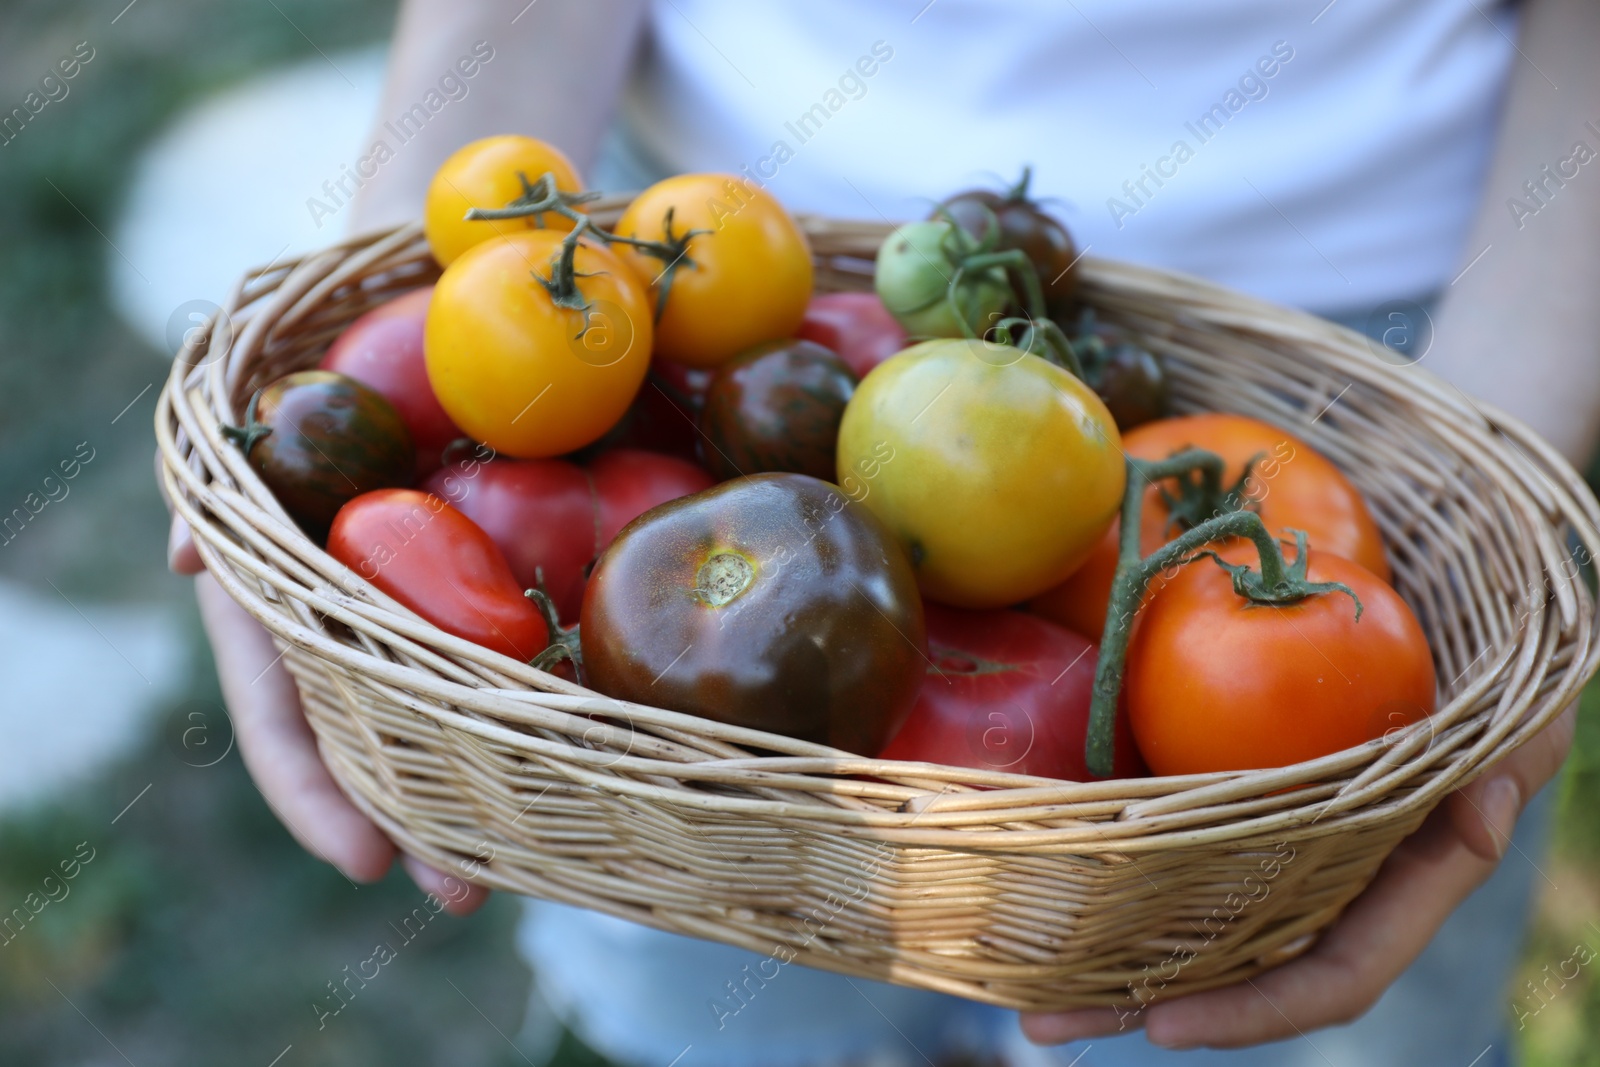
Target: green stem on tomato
point(252, 431)
point(1276, 582)
point(542, 197)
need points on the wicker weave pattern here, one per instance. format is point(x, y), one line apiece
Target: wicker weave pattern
point(1026, 893)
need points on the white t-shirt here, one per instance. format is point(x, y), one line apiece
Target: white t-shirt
point(1322, 156)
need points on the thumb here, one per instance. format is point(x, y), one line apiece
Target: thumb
point(1483, 813)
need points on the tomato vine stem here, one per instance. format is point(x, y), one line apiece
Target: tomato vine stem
point(1275, 581)
point(542, 197)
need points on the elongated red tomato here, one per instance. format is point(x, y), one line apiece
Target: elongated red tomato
point(1006, 691)
point(437, 562)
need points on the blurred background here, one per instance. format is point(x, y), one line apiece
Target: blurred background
point(192, 929)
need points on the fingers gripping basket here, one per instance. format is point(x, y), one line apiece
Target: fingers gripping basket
point(1027, 893)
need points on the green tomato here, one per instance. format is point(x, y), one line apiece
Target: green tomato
point(915, 266)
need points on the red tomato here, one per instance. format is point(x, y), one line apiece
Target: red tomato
point(629, 482)
point(1215, 683)
point(662, 418)
point(383, 350)
point(856, 326)
point(1006, 691)
point(552, 517)
point(437, 562)
point(540, 512)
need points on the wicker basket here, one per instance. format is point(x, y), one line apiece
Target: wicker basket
point(1022, 892)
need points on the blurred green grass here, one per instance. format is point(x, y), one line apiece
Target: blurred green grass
point(200, 932)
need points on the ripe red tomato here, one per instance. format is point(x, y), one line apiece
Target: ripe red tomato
point(1292, 486)
point(662, 416)
point(383, 350)
point(541, 514)
point(552, 518)
point(856, 326)
point(1006, 691)
point(1215, 683)
point(437, 562)
point(629, 482)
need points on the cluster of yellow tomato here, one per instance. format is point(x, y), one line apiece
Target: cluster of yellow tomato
point(537, 341)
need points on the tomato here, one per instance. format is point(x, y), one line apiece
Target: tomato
point(489, 173)
point(1006, 691)
point(775, 407)
point(1023, 225)
point(1215, 683)
point(915, 268)
point(1133, 383)
point(517, 372)
point(437, 562)
point(1291, 486)
point(383, 350)
point(744, 280)
point(629, 482)
point(770, 602)
point(997, 470)
point(318, 438)
point(552, 518)
point(662, 417)
point(855, 325)
point(540, 513)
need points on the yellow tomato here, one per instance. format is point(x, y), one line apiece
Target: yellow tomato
point(488, 174)
point(998, 470)
point(745, 280)
point(519, 373)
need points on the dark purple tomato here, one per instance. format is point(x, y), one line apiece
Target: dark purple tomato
point(771, 602)
point(775, 407)
point(1133, 384)
point(1023, 225)
point(319, 439)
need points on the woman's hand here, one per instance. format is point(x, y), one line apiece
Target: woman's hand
point(1382, 931)
point(280, 751)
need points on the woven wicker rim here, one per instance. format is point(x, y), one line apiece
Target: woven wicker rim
point(1507, 667)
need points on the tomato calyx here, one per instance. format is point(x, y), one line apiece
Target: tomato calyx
point(542, 196)
point(1200, 495)
point(1033, 331)
point(253, 429)
point(1276, 582)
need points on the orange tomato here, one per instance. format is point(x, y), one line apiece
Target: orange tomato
point(1215, 683)
point(1291, 486)
point(488, 174)
point(526, 377)
point(745, 280)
